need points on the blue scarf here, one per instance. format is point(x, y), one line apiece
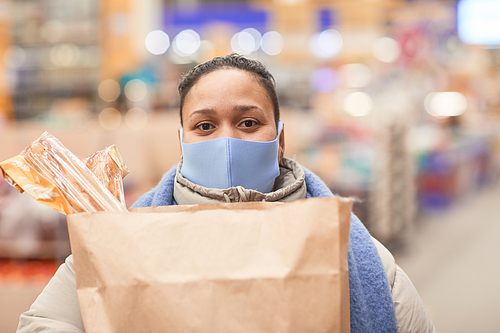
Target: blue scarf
point(372, 309)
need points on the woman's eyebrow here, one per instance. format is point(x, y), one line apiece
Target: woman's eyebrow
point(243, 108)
point(202, 111)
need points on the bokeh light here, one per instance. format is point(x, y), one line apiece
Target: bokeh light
point(136, 118)
point(427, 103)
point(109, 90)
point(326, 44)
point(386, 49)
point(323, 80)
point(157, 42)
point(272, 43)
point(445, 104)
point(243, 43)
point(478, 21)
point(358, 104)
point(246, 41)
point(135, 90)
point(355, 75)
point(65, 55)
point(110, 119)
point(257, 36)
point(186, 43)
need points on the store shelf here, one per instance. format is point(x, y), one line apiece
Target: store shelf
point(56, 45)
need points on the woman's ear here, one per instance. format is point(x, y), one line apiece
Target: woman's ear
point(282, 143)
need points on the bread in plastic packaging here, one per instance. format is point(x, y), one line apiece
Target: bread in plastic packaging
point(54, 176)
point(108, 166)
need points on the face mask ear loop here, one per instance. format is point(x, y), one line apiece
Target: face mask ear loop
point(181, 134)
point(229, 162)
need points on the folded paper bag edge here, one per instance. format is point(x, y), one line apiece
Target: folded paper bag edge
point(232, 205)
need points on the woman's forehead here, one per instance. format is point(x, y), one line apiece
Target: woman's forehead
point(224, 75)
point(228, 86)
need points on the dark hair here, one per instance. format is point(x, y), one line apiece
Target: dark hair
point(232, 61)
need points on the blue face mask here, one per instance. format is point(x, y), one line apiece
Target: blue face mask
point(227, 162)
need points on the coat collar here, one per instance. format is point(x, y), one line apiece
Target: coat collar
point(289, 186)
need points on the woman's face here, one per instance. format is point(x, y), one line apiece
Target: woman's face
point(228, 103)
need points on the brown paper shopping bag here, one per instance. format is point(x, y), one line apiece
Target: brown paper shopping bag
point(238, 267)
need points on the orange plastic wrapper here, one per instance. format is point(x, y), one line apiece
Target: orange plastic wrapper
point(54, 176)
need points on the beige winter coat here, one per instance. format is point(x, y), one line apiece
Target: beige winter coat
point(57, 308)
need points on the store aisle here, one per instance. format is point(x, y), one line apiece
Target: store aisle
point(453, 260)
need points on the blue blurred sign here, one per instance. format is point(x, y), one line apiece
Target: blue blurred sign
point(240, 15)
point(325, 18)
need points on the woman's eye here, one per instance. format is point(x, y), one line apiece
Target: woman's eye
point(205, 127)
point(248, 123)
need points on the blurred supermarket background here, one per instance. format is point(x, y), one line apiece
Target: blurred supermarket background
point(395, 102)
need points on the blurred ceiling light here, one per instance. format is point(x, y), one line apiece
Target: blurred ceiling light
point(186, 42)
point(323, 80)
point(256, 36)
point(242, 43)
point(326, 44)
point(358, 104)
point(427, 103)
point(135, 90)
point(136, 118)
point(109, 90)
point(355, 75)
point(110, 119)
point(445, 104)
point(53, 31)
point(477, 21)
point(157, 42)
point(14, 56)
point(272, 43)
point(386, 49)
point(65, 55)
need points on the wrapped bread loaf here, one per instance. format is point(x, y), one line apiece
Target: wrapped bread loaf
point(54, 176)
point(109, 168)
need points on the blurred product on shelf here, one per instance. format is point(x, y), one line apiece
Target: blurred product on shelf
point(450, 174)
point(55, 54)
point(27, 271)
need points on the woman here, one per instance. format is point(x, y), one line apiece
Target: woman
point(233, 147)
